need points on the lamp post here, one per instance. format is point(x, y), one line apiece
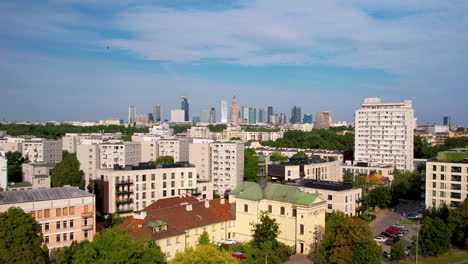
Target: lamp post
point(266, 257)
point(417, 240)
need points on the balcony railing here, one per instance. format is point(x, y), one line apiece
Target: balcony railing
point(87, 214)
point(87, 227)
point(127, 201)
point(124, 211)
point(128, 182)
point(127, 192)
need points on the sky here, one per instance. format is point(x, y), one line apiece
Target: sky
point(90, 59)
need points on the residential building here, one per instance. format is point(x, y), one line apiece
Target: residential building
point(296, 115)
point(126, 153)
point(177, 115)
point(111, 122)
point(305, 168)
point(132, 116)
point(65, 214)
point(384, 133)
point(199, 155)
point(123, 189)
point(42, 150)
point(312, 153)
point(11, 144)
point(157, 114)
point(261, 136)
point(71, 140)
point(223, 109)
point(363, 169)
point(447, 178)
point(322, 120)
point(176, 148)
point(227, 165)
point(300, 215)
point(162, 130)
point(307, 119)
point(177, 223)
point(232, 132)
point(199, 132)
point(3, 170)
point(184, 105)
point(234, 115)
point(88, 154)
point(38, 174)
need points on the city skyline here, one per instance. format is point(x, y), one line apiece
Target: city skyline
point(90, 60)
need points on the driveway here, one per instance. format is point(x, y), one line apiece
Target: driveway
point(298, 259)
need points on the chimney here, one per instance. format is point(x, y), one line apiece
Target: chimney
point(207, 203)
point(222, 201)
point(188, 207)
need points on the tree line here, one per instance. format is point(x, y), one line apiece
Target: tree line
point(422, 149)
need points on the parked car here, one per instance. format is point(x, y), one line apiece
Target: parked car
point(227, 242)
point(385, 234)
point(398, 231)
point(238, 255)
point(392, 231)
point(392, 241)
point(399, 226)
point(415, 216)
point(387, 254)
point(381, 239)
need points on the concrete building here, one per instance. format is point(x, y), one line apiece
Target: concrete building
point(384, 133)
point(11, 144)
point(42, 150)
point(305, 168)
point(227, 165)
point(65, 214)
point(339, 196)
point(71, 140)
point(176, 148)
point(322, 120)
point(363, 169)
point(132, 116)
point(200, 156)
point(177, 115)
point(89, 157)
point(312, 153)
point(126, 153)
point(162, 130)
point(447, 179)
point(223, 110)
point(38, 174)
point(300, 215)
point(177, 223)
point(261, 136)
point(111, 122)
point(199, 132)
point(205, 116)
point(124, 189)
point(234, 115)
point(3, 170)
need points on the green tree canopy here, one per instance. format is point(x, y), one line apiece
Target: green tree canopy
point(204, 254)
point(20, 238)
point(406, 185)
point(250, 165)
point(14, 161)
point(347, 240)
point(164, 160)
point(434, 237)
point(67, 172)
point(277, 156)
point(348, 177)
point(458, 224)
point(380, 196)
point(300, 154)
point(217, 127)
point(111, 246)
point(204, 239)
point(113, 220)
point(180, 128)
point(398, 252)
point(266, 230)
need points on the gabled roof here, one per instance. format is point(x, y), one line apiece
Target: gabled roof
point(275, 192)
point(170, 202)
point(42, 195)
point(177, 217)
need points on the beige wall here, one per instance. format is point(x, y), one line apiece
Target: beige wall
point(43, 150)
point(199, 155)
point(128, 153)
point(346, 201)
point(89, 157)
point(227, 165)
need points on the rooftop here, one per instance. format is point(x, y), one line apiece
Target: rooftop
point(308, 151)
point(42, 195)
point(453, 155)
point(326, 185)
point(152, 166)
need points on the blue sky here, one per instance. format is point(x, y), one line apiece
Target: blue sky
point(90, 59)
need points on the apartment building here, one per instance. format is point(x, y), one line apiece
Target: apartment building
point(200, 156)
point(227, 165)
point(3, 170)
point(322, 120)
point(177, 223)
point(306, 168)
point(363, 169)
point(199, 132)
point(126, 153)
point(384, 133)
point(339, 196)
point(447, 178)
point(11, 144)
point(38, 174)
point(71, 140)
point(176, 148)
point(312, 153)
point(42, 150)
point(88, 155)
point(300, 215)
point(124, 189)
point(65, 214)
point(261, 136)
point(162, 130)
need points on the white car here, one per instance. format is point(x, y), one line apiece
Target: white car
point(399, 226)
point(381, 239)
point(227, 242)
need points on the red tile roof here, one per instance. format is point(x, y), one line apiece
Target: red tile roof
point(177, 217)
point(170, 202)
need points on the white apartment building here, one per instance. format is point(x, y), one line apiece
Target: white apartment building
point(162, 130)
point(199, 155)
point(384, 133)
point(176, 148)
point(89, 157)
point(3, 171)
point(71, 140)
point(199, 132)
point(42, 150)
point(11, 144)
point(261, 136)
point(177, 115)
point(227, 165)
point(38, 174)
point(447, 179)
point(134, 187)
point(313, 170)
point(127, 153)
point(149, 146)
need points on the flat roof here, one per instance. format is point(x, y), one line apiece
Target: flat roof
point(326, 185)
point(36, 195)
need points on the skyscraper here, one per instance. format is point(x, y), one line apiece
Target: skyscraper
point(184, 105)
point(157, 113)
point(322, 120)
point(252, 115)
point(384, 133)
point(132, 118)
point(261, 115)
point(270, 112)
point(205, 116)
point(307, 119)
point(446, 121)
point(282, 118)
point(212, 118)
point(296, 115)
point(245, 114)
point(223, 109)
point(150, 118)
point(234, 111)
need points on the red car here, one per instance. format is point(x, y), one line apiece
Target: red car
point(392, 231)
point(399, 230)
point(238, 255)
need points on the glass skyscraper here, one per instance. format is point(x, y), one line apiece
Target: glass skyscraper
point(184, 105)
point(296, 115)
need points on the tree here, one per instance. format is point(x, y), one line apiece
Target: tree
point(14, 161)
point(112, 246)
point(348, 177)
point(250, 165)
point(204, 239)
point(113, 220)
point(434, 236)
point(380, 196)
point(91, 186)
point(458, 224)
point(204, 254)
point(398, 252)
point(300, 154)
point(347, 240)
point(266, 230)
point(20, 238)
point(164, 160)
point(406, 185)
point(277, 156)
point(67, 172)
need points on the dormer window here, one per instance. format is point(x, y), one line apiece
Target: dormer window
point(157, 226)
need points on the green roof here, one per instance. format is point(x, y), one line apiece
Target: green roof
point(457, 154)
point(20, 184)
point(275, 192)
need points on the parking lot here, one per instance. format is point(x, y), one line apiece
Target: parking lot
point(387, 218)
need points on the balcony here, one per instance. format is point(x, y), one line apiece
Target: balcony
point(124, 211)
point(121, 183)
point(127, 201)
point(86, 214)
point(87, 227)
point(123, 192)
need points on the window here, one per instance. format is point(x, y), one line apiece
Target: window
point(57, 225)
point(172, 184)
point(246, 207)
point(289, 173)
point(86, 234)
point(64, 224)
point(282, 210)
point(330, 206)
point(172, 175)
point(190, 175)
point(168, 242)
point(182, 175)
point(294, 212)
point(72, 223)
point(143, 195)
point(152, 194)
point(46, 227)
point(153, 186)
point(71, 210)
point(172, 192)
point(65, 237)
point(58, 238)
point(270, 209)
point(190, 183)
point(143, 187)
point(164, 176)
point(144, 177)
point(47, 213)
point(33, 214)
point(164, 193)
point(434, 176)
point(434, 185)
point(72, 236)
point(47, 239)
point(86, 221)
point(58, 212)
point(39, 214)
point(330, 197)
point(153, 177)
point(164, 185)
point(301, 229)
point(65, 211)
point(346, 199)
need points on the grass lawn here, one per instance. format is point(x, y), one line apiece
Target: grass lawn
point(453, 256)
point(406, 223)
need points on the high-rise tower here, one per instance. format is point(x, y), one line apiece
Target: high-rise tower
point(184, 105)
point(296, 115)
point(234, 111)
point(132, 118)
point(223, 109)
point(157, 113)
